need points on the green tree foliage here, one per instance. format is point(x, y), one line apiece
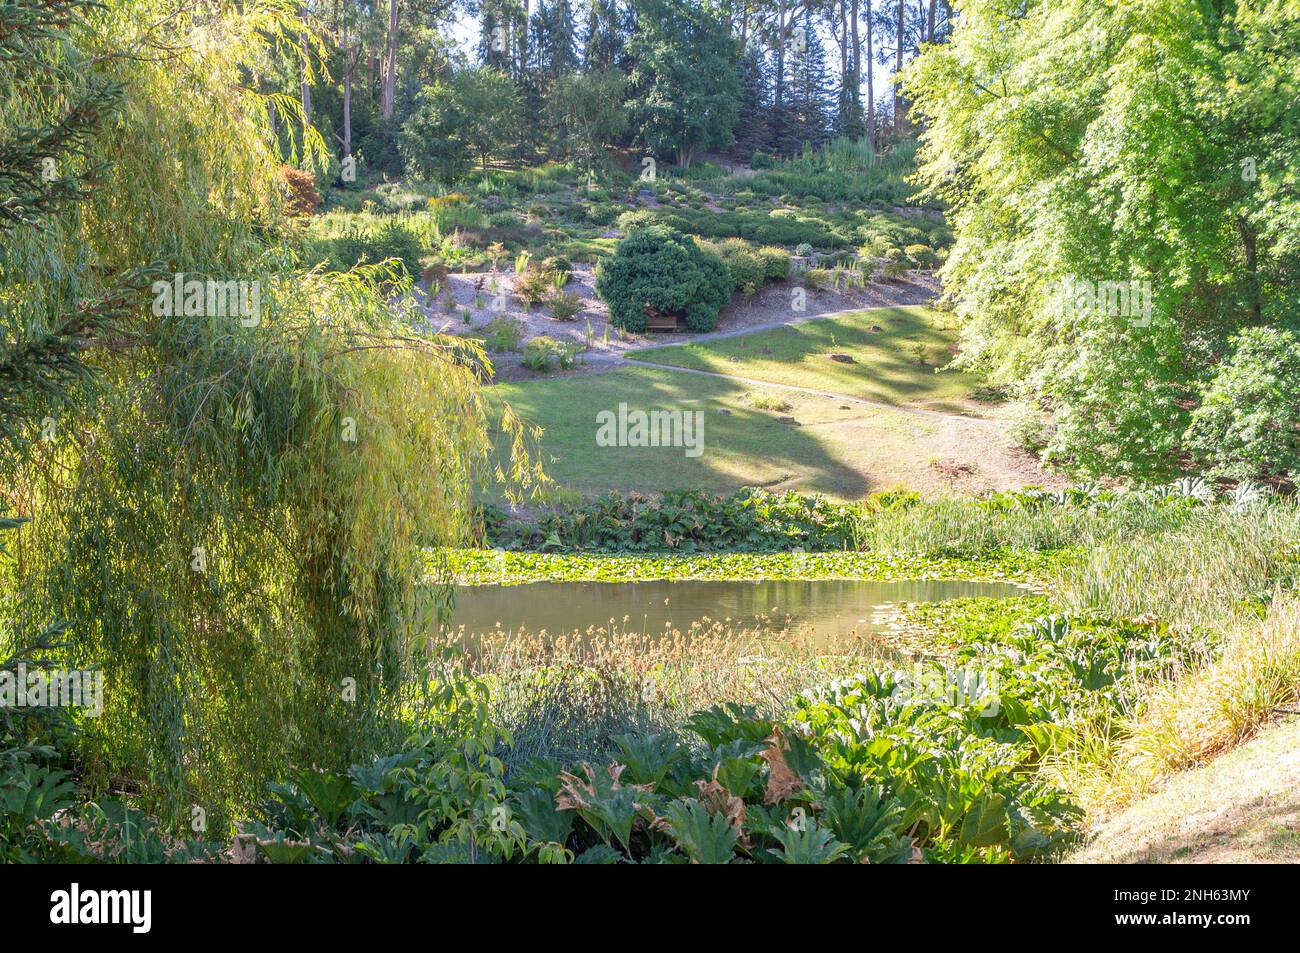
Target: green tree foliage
point(810, 94)
point(587, 110)
point(1248, 424)
point(236, 527)
point(1152, 141)
point(607, 29)
point(554, 40)
point(474, 114)
point(685, 87)
point(656, 270)
point(45, 169)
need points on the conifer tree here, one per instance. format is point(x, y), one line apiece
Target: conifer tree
point(44, 174)
point(753, 126)
point(810, 91)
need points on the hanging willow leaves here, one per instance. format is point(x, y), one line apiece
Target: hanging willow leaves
point(234, 512)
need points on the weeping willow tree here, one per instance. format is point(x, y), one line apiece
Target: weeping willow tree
point(233, 510)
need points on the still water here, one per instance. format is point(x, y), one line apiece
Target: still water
point(830, 608)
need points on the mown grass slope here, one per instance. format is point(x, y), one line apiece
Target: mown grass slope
point(896, 357)
point(802, 441)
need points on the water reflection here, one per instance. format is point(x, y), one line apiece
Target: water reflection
point(832, 608)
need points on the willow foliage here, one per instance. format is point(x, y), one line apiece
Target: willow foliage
point(234, 517)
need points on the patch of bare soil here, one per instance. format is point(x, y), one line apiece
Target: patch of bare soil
point(774, 305)
point(952, 456)
point(467, 303)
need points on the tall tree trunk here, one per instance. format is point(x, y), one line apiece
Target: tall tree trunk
point(871, 83)
point(842, 39)
point(390, 62)
point(778, 85)
point(347, 108)
point(352, 54)
point(523, 43)
point(857, 61)
point(900, 106)
point(930, 21)
point(306, 86)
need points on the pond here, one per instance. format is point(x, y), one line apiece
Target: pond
point(830, 608)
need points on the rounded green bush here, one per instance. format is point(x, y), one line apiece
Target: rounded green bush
point(743, 264)
point(776, 263)
point(923, 255)
point(658, 269)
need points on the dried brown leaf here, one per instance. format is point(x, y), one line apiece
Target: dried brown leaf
point(781, 781)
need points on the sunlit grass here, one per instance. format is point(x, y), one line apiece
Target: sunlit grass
point(895, 357)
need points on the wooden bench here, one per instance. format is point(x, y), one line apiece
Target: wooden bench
point(663, 322)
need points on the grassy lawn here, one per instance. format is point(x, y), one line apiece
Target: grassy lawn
point(844, 451)
point(886, 361)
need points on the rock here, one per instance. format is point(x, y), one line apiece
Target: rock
point(876, 328)
point(724, 411)
point(843, 359)
point(845, 407)
point(788, 420)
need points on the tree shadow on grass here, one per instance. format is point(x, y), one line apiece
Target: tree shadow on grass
point(741, 446)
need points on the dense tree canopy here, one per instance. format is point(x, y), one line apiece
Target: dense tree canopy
point(684, 80)
point(1095, 145)
point(770, 76)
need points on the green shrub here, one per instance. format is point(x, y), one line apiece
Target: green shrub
point(893, 270)
point(768, 402)
point(1248, 424)
point(923, 255)
point(360, 245)
point(817, 278)
point(752, 267)
point(542, 353)
point(746, 268)
point(558, 265)
point(532, 284)
point(776, 262)
point(503, 334)
point(564, 306)
point(603, 213)
point(657, 269)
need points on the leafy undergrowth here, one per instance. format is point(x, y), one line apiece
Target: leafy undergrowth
point(933, 764)
point(957, 622)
